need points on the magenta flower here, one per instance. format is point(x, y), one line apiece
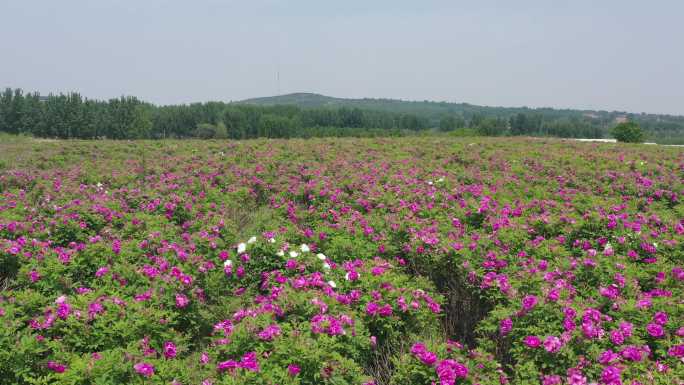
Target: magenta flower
point(204, 358)
point(434, 307)
point(372, 308)
point(63, 310)
point(676, 351)
point(655, 330)
point(660, 318)
point(617, 337)
point(34, 276)
point(575, 377)
point(611, 292)
point(94, 309)
point(449, 371)
point(591, 330)
point(182, 301)
point(101, 271)
point(417, 348)
point(554, 295)
point(116, 246)
point(425, 356)
point(505, 326)
point(529, 302)
point(626, 328)
point(56, 367)
point(352, 275)
point(385, 310)
point(249, 362)
point(229, 366)
point(607, 357)
point(552, 344)
point(532, 341)
point(169, 350)
point(678, 273)
point(293, 370)
point(632, 353)
point(269, 333)
point(662, 367)
point(611, 376)
point(552, 380)
point(144, 369)
point(569, 324)
point(291, 264)
point(428, 358)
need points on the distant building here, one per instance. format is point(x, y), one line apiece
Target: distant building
point(42, 98)
point(621, 119)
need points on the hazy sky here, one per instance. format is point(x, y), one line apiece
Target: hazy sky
point(597, 54)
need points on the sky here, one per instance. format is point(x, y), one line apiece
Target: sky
point(610, 54)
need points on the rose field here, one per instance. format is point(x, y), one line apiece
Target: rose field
point(395, 261)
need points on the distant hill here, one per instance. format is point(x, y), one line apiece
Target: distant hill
point(438, 109)
point(301, 99)
point(423, 108)
point(661, 125)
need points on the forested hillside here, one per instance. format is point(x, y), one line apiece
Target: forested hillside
point(494, 120)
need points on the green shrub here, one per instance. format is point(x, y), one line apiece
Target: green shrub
point(628, 132)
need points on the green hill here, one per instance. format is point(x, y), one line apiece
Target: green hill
point(424, 108)
point(666, 127)
point(439, 109)
point(301, 99)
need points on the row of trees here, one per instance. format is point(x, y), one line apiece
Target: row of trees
point(530, 124)
point(73, 116)
point(242, 121)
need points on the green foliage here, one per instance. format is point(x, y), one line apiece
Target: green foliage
point(299, 115)
point(451, 123)
point(447, 236)
point(205, 131)
point(221, 131)
point(628, 132)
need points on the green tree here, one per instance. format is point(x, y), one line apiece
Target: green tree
point(141, 126)
point(221, 130)
point(236, 123)
point(492, 126)
point(451, 122)
point(205, 131)
point(628, 132)
point(351, 117)
point(274, 126)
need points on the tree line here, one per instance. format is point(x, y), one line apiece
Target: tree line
point(72, 116)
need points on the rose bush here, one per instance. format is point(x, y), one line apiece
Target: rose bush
point(386, 261)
